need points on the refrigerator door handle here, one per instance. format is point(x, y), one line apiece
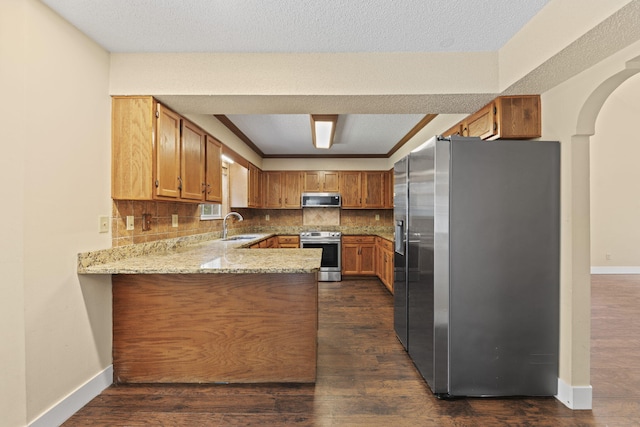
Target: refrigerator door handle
point(399, 237)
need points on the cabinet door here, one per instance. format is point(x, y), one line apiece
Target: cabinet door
point(388, 266)
point(255, 186)
point(350, 258)
point(482, 122)
point(388, 189)
point(272, 189)
point(292, 189)
point(330, 182)
point(213, 171)
point(133, 133)
point(311, 181)
point(351, 185)
point(368, 259)
point(167, 154)
point(373, 189)
point(379, 259)
point(192, 162)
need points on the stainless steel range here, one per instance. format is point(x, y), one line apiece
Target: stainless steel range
point(331, 244)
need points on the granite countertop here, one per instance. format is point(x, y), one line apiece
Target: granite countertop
point(207, 253)
point(185, 256)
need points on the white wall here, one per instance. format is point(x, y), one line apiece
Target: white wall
point(13, 397)
point(57, 325)
point(615, 180)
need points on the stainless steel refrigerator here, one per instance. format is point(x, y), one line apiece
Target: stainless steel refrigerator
point(476, 280)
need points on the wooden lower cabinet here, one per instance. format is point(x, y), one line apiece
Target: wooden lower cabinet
point(368, 256)
point(358, 255)
point(384, 262)
point(209, 328)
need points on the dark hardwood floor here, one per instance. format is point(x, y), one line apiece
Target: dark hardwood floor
point(366, 379)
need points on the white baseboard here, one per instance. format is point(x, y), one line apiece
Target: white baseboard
point(71, 404)
point(574, 397)
point(615, 270)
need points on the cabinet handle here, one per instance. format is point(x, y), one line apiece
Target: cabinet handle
point(495, 126)
point(179, 183)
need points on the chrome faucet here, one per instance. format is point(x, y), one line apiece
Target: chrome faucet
point(224, 222)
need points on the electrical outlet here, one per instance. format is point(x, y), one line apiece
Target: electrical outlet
point(174, 220)
point(377, 217)
point(104, 224)
point(129, 222)
point(608, 256)
point(266, 217)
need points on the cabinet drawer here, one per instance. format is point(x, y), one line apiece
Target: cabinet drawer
point(358, 239)
point(289, 239)
point(386, 244)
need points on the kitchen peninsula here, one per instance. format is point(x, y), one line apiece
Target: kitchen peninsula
point(211, 311)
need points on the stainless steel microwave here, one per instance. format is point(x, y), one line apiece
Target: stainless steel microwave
point(321, 200)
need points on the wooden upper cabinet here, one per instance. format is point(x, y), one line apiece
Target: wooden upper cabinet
point(133, 127)
point(373, 194)
point(282, 189)
point(481, 123)
point(321, 181)
point(158, 155)
point(518, 117)
point(364, 189)
point(388, 189)
point(167, 158)
point(454, 130)
point(351, 189)
point(292, 191)
point(192, 162)
point(272, 189)
point(213, 171)
point(255, 186)
point(506, 117)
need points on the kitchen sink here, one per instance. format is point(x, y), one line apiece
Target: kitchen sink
point(241, 237)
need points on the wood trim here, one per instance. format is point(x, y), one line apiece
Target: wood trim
point(326, 156)
point(235, 156)
point(417, 128)
point(233, 128)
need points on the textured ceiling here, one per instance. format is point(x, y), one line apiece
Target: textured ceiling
point(307, 26)
point(298, 25)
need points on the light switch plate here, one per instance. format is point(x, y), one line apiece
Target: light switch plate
point(174, 220)
point(104, 224)
point(130, 222)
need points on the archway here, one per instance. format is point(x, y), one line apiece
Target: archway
point(578, 293)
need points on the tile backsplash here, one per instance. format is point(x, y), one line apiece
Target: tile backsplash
point(189, 222)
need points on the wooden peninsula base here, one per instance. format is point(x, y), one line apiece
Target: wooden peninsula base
point(210, 328)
